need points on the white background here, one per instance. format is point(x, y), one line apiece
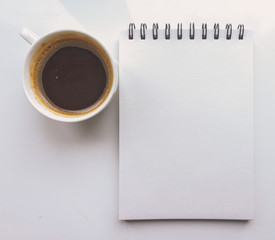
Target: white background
point(60, 181)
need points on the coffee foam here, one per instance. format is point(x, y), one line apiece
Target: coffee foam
point(47, 49)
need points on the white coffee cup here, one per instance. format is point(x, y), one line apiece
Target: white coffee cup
point(36, 43)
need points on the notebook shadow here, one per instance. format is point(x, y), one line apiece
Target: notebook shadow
point(204, 222)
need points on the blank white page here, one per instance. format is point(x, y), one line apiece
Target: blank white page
point(186, 127)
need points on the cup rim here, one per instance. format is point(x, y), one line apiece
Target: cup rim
point(47, 112)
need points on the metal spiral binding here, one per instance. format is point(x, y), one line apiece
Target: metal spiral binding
point(179, 31)
point(131, 30)
point(167, 31)
point(216, 31)
point(228, 28)
point(192, 31)
point(155, 31)
point(155, 28)
point(241, 31)
point(143, 26)
point(204, 31)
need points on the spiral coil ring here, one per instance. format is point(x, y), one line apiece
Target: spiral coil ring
point(179, 31)
point(216, 31)
point(155, 31)
point(131, 30)
point(167, 31)
point(241, 31)
point(204, 31)
point(143, 26)
point(228, 28)
point(192, 31)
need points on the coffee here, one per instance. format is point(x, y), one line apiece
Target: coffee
point(71, 75)
point(74, 78)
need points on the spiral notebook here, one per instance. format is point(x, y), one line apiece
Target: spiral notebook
point(186, 123)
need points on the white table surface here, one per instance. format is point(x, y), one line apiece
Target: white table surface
point(59, 181)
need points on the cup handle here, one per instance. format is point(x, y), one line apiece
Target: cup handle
point(28, 35)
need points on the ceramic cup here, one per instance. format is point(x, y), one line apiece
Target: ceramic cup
point(36, 42)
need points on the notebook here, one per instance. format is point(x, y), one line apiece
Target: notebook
point(186, 123)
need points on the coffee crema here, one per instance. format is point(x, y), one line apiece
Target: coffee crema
point(71, 75)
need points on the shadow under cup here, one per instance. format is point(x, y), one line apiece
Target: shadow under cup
point(47, 54)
